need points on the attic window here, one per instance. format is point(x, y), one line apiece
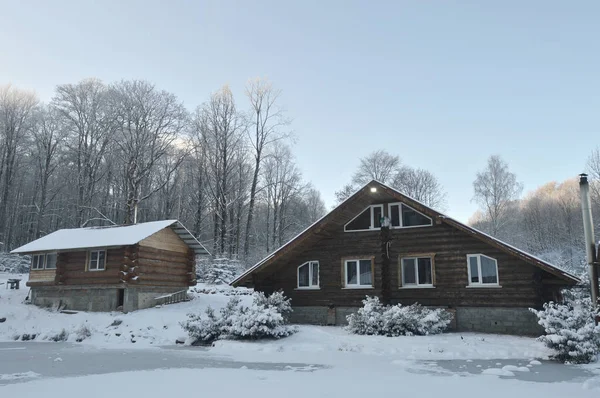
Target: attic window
point(369, 218)
point(404, 216)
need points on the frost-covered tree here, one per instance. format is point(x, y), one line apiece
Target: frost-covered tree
point(495, 188)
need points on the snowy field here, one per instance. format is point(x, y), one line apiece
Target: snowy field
point(316, 361)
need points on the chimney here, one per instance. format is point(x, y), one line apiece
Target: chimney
point(588, 230)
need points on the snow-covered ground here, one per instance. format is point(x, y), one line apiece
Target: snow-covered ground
point(318, 361)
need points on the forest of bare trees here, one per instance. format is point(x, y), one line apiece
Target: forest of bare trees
point(546, 221)
point(103, 154)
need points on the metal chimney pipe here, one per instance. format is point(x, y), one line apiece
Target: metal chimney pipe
point(588, 230)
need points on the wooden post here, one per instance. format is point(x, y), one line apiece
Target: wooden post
point(590, 244)
point(386, 240)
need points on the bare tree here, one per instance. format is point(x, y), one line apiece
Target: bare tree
point(16, 109)
point(379, 165)
point(221, 127)
point(421, 185)
point(266, 123)
point(48, 135)
point(495, 187)
point(83, 107)
point(147, 123)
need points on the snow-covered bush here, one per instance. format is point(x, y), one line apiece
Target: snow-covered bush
point(397, 320)
point(217, 271)
point(14, 263)
point(570, 329)
point(266, 317)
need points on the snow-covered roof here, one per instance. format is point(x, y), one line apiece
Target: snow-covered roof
point(121, 235)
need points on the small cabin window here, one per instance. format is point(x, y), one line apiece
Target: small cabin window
point(369, 218)
point(417, 272)
point(483, 270)
point(97, 260)
point(308, 275)
point(51, 261)
point(403, 216)
point(37, 261)
point(359, 273)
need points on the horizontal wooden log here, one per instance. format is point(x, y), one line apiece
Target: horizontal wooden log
point(150, 253)
point(162, 263)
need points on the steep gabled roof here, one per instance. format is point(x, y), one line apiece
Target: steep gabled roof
point(95, 237)
point(437, 217)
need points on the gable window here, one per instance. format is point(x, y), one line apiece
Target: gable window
point(417, 272)
point(369, 218)
point(308, 275)
point(404, 216)
point(37, 261)
point(358, 273)
point(483, 270)
point(97, 260)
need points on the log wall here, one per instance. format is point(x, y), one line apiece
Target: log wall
point(522, 284)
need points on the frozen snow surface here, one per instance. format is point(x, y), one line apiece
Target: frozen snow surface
point(316, 361)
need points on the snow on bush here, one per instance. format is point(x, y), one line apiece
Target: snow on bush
point(218, 271)
point(570, 329)
point(14, 263)
point(266, 317)
point(373, 318)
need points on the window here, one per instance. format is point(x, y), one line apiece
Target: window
point(417, 271)
point(51, 261)
point(97, 260)
point(403, 216)
point(37, 261)
point(308, 275)
point(369, 218)
point(483, 270)
point(359, 273)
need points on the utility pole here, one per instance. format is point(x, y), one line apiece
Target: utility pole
point(588, 230)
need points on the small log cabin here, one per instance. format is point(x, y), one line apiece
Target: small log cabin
point(112, 268)
point(382, 243)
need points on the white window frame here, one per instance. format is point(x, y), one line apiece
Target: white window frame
point(46, 260)
point(480, 283)
point(417, 284)
point(401, 222)
point(310, 276)
point(38, 268)
point(358, 285)
point(372, 225)
point(89, 262)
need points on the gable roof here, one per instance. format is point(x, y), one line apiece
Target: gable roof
point(121, 235)
point(437, 216)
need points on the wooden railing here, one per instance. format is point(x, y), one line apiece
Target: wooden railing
point(172, 298)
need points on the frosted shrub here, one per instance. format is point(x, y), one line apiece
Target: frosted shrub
point(218, 271)
point(397, 320)
point(368, 319)
point(203, 330)
point(266, 317)
point(570, 330)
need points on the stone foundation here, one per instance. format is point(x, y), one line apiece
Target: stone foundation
point(518, 321)
point(98, 298)
point(497, 320)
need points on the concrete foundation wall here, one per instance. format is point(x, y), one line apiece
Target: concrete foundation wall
point(102, 299)
point(518, 321)
point(497, 320)
point(79, 299)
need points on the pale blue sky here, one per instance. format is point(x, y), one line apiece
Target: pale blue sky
point(444, 84)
